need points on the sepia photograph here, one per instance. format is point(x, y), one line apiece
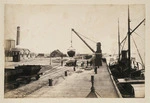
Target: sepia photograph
point(74, 51)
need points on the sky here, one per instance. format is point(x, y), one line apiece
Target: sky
point(44, 28)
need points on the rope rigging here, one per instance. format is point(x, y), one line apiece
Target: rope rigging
point(123, 44)
point(137, 34)
point(133, 30)
point(137, 26)
point(124, 41)
point(138, 52)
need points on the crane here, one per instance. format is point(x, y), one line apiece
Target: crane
point(98, 52)
point(83, 40)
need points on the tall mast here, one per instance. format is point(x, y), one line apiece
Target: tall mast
point(118, 41)
point(129, 46)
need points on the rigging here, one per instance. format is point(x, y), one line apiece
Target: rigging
point(138, 52)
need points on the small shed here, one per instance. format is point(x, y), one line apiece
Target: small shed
point(19, 54)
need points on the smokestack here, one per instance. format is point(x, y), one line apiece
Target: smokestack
point(99, 48)
point(98, 56)
point(18, 35)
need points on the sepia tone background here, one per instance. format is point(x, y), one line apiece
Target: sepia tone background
point(67, 45)
point(45, 28)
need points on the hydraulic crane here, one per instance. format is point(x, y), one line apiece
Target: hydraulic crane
point(98, 52)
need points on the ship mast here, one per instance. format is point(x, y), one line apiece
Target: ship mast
point(118, 42)
point(129, 45)
point(129, 34)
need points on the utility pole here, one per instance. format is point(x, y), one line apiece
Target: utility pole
point(50, 58)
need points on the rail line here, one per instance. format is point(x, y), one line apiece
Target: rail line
point(22, 91)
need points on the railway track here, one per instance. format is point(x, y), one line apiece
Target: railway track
point(55, 71)
point(27, 89)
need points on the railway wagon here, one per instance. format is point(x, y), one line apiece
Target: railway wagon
point(11, 76)
point(21, 74)
point(28, 70)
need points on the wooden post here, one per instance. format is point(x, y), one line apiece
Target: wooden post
point(50, 82)
point(65, 73)
point(92, 81)
point(95, 70)
point(74, 68)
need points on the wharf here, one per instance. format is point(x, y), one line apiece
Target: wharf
point(78, 85)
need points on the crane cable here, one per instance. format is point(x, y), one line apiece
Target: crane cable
point(87, 38)
point(71, 38)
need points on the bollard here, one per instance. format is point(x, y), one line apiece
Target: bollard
point(50, 82)
point(65, 73)
point(92, 78)
point(95, 70)
point(92, 81)
point(74, 68)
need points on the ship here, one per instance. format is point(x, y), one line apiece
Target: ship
point(129, 79)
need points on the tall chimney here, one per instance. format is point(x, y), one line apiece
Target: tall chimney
point(18, 36)
point(99, 47)
point(98, 55)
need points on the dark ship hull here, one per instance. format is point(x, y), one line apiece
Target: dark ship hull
point(125, 79)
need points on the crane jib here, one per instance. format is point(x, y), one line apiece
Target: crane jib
point(83, 40)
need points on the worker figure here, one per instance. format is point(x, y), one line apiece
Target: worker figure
point(75, 63)
point(95, 70)
point(87, 63)
point(91, 63)
point(82, 64)
point(61, 60)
